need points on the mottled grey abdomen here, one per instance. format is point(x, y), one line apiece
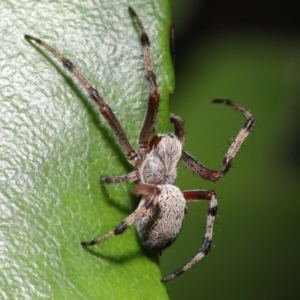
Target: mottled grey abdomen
point(160, 225)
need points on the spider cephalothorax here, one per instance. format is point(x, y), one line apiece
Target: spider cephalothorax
point(162, 207)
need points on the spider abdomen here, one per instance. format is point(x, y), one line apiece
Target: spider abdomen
point(159, 226)
point(159, 166)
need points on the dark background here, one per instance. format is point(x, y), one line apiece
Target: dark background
point(249, 52)
point(200, 18)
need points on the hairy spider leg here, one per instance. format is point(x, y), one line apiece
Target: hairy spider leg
point(198, 169)
point(150, 193)
point(104, 109)
point(178, 126)
point(198, 195)
point(148, 126)
point(130, 177)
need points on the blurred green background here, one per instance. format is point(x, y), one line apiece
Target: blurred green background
point(249, 52)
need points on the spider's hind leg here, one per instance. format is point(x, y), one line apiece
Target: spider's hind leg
point(198, 195)
point(150, 194)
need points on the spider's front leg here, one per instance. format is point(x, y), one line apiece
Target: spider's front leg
point(153, 101)
point(104, 109)
point(212, 175)
point(198, 195)
point(150, 194)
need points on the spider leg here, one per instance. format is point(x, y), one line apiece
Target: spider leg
point(197, 195)
point(133, 176)
point(212, 175)
point(178, 126)
point(197, 168)
point(152, 109)
point(150, 195)
point(104, 109)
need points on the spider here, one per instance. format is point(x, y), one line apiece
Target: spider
point(162, 207)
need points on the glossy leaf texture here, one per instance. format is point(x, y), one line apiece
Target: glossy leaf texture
point(54, 146)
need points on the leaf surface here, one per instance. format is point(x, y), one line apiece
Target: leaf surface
point(54, 146)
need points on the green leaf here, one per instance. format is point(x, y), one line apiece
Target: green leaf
point(54, 146)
